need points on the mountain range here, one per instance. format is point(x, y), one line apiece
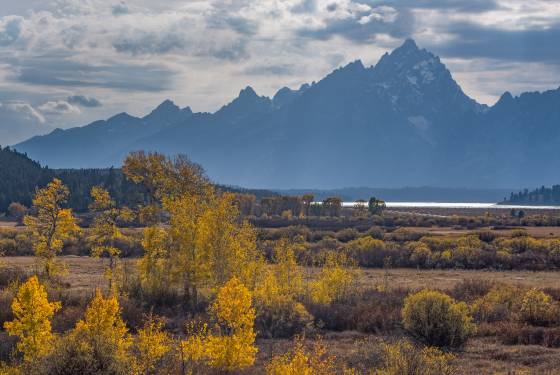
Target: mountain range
point(403, 122)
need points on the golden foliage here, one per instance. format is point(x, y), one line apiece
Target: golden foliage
point(32, 323)
point(164, 176)
point(105, 233)
point(302, 362)
point(403, 358)
point(152, 344)
point(500, 303)
point(437, 318)
point(536, 307)
point(51, 224)
point(336, 280)
point(102, 328)
point(232, 347)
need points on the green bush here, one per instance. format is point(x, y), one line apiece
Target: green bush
point(437, 319)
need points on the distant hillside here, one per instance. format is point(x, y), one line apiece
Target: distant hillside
point(403, 122)
point(20, 177)
point(542, 196)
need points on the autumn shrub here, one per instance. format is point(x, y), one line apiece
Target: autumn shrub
point(537, 308)
point(151, 346)
point(370, 312)
point(471, 289)
point(283, 318)
point(32, 319)
point(368, 252)
point(12, 274)
point(404, 358)
point(229, 345)
point(499, 304)
point(70, 357)
point(335, 282)
point(437, 319)
point(99, 344)
point(300, 361)
point(347, 234)
point(375, 232)
point(523, 334)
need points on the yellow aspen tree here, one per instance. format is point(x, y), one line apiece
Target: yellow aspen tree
point(288, 274)
point(189, 263)
point(232, 344)
point(165, 177)
point(234, 347)
point(32, 323)
point(105, 233)
point(154, 271)
point(230, 245)
point(102, 330)
point(51, 224)
point(152, 344)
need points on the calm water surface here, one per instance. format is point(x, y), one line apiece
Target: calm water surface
point(458, 205)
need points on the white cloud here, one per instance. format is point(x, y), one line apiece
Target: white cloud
point(201, 52)
point(59, 107)
point(19, 121)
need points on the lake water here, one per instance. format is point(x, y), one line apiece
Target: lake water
point(458, 205)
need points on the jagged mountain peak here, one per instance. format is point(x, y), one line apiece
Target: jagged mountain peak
point(247, 92)
point(166, 107)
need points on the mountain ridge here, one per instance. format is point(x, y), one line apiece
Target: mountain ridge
point(403, 121)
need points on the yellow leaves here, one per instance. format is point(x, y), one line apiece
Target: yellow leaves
point(32, 324)
point(404, 358)
point(194, 348)
point(164, 176)
point(289, 276)
point(302, 362)
point(152, 344)
point(437, 318)
point(102, 325)
point(51, 224)
point(233, 308)
point(101, 199)
point(233, 347)
point(335, 282)
point(105, 232)
point(536, 307)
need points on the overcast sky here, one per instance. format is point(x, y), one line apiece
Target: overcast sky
point(68, 62)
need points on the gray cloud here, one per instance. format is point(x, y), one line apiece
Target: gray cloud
point(364, 26)
point(58, 108)
point(267, 70)
point(19, 121)
point(10, 29)
point(84, 101)
point(475, 41)
point(58, 70)
point(470, 6)
point(305, 6)
point(120, 9)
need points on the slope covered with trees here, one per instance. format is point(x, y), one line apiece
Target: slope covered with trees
point(20, 177)
point(541, 196)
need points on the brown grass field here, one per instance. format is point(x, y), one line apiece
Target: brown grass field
point(482, 355)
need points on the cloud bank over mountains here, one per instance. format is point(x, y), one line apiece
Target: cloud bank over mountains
point(131, 54)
